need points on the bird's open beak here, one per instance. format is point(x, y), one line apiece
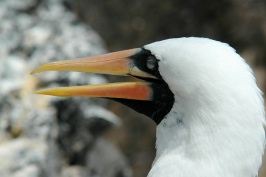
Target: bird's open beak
point(117, 63)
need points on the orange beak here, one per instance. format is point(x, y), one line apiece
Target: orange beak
point(117, 63)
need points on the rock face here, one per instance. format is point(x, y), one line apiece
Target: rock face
point(46, 136)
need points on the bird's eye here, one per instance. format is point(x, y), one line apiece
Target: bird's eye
point(151, 63)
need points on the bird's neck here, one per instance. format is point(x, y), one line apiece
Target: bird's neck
point(207, 145)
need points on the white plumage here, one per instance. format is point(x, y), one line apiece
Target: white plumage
point(215, 128)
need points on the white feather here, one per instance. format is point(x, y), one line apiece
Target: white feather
point(215, 128)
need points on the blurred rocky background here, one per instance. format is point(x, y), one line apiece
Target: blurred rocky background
point(46, 136)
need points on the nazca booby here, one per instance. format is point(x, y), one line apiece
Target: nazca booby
point(200, 92)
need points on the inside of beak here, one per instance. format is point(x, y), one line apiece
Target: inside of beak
point(117, 63)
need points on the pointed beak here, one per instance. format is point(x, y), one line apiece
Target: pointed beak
point(117, 63)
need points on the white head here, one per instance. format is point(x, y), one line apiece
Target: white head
point(215, 127)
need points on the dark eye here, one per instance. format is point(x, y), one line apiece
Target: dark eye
point(151, 63)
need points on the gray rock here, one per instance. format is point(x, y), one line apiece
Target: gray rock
point(28, 157)
point(75, 171)
point(113, 165)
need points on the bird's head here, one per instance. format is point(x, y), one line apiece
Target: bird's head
point(173, 70)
